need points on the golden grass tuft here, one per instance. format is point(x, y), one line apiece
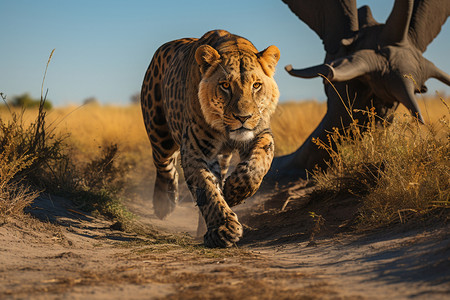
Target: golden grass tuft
point(400, 171)
point(14, 195)
point(26, 151)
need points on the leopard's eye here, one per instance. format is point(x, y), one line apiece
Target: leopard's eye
point(225, 85)
point(257, 85)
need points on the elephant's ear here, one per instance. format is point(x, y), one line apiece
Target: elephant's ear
point(428, 16)
point(332, 20)
point(365, 18)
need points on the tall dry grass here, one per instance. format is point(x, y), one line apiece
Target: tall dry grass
point(398, 171)
point(26, 155)
point(293, 122)
point(38, 154)
point(91, 128)
point(106, 154)
point(111, 142)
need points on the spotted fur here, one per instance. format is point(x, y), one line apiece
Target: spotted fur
point(205, 99)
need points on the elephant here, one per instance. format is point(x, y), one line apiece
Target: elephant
point(367, 64)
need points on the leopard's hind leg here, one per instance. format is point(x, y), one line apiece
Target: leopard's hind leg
point(164, 148)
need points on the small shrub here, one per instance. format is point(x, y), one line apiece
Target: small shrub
point(26, 101)
point(25, 151)
point(14, 195)
point(33, 155)
point(101, 187)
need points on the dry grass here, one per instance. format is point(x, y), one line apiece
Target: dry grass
point(26, 153)
point(101, 154)
point(113, 139)
point(36, 155)
point(91, 127)
point(293, 122)
point(399, 171)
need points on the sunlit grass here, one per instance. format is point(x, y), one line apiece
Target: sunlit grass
point(91, 127)
point(293, 122)
point(26, 152)
point(399, 171)
point(92, 131)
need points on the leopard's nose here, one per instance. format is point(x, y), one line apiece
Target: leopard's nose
point(242, 119)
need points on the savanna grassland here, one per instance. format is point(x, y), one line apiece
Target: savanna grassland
point(90, 135)
point(76, 217)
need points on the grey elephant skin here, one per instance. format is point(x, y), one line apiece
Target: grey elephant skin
point(369, 64)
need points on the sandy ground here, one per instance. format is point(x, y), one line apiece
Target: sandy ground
point(285, 254)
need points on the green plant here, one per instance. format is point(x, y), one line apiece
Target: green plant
point(26, 101)
point(318, 221)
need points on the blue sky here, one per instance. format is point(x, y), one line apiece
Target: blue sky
point(104, 47)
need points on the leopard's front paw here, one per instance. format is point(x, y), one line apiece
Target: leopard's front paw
point(223, 236)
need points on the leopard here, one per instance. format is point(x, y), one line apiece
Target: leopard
point(204, 100)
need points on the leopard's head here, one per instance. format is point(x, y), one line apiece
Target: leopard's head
point(237, 92)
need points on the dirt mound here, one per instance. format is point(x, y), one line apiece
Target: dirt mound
point(293, 214)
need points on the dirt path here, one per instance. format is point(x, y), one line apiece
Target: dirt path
point(78, 256)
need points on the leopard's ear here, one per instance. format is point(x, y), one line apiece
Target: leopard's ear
point(206, 56)
point(269, 59)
